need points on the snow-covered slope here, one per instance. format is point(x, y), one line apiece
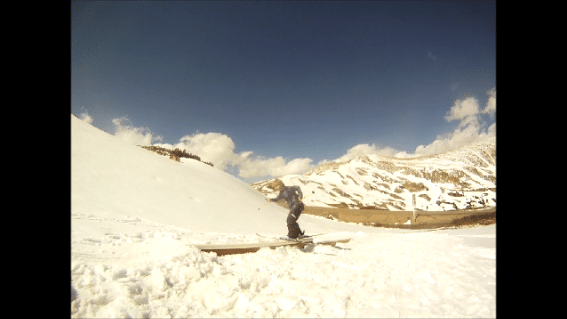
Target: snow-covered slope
point(136, 214)
point(117, 179)
point(461, 179)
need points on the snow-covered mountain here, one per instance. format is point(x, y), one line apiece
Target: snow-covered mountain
point(460, 179)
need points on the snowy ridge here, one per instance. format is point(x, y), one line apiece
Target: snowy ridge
point(461, 179)
point(136, 217)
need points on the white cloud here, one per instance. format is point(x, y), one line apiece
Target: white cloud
point(86, 117)
point(219, 149)
point(431, 56)
point(470, 129)
point(459, 138)
point(464, 110)
point(491, 104)
point(275, 166)
point(216, 148)
point(365, 149)
point(135, 135)
point(492, 130)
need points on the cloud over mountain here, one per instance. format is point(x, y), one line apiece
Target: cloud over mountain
point(219, 148)
point(471, 128)
point(365, 149)
point(125, 131)
point(86, 117)
point(212, 147)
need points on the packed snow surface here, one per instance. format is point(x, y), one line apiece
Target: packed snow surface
point(135, 216)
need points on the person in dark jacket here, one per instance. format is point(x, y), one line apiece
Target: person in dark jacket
point(292, 195)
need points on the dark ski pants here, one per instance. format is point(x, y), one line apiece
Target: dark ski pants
point(293, 230)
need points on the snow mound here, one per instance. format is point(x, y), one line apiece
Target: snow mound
point(114, 179)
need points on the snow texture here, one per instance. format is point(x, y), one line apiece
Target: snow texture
point(135, 216)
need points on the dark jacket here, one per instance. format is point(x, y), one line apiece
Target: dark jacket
point(291, 194)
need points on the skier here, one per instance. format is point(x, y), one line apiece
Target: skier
point(292, 195)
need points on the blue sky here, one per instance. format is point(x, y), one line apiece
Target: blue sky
point(279, 81)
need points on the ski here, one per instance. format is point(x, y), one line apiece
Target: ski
point(287, 238)
point(305, 239)
point(242, 248)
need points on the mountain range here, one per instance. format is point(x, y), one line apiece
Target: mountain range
point(461, 179)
